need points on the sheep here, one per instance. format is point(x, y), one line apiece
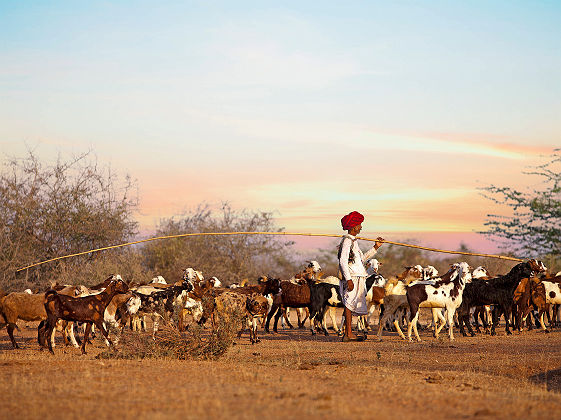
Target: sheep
point(444, 293)
point(88, 309)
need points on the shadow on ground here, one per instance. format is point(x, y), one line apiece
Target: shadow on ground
point(551, 379)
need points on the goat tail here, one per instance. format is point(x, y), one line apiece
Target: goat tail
point(41, 332)
point(50, 295)
point(2, 315)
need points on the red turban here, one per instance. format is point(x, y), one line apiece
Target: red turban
point(351, 220)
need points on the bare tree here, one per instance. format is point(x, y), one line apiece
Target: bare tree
point(49, 210)
point(230, 258)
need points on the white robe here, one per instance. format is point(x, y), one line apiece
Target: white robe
point(355, 299)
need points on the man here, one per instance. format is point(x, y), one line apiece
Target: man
point(351, 264)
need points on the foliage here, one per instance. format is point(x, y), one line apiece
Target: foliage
point(230, 258)
point(534, 227)
point(57, 209)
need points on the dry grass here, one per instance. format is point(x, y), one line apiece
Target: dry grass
point(292, 374)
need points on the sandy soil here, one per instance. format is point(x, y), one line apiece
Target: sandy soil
point(290, 375)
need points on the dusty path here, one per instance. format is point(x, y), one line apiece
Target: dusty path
point(293, 375)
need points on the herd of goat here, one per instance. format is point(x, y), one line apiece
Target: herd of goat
point(455, 298)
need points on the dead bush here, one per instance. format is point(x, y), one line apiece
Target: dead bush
point(196, 343)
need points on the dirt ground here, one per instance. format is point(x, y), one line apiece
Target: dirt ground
point(290, 375)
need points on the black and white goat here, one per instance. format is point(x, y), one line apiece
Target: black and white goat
point(444, 293)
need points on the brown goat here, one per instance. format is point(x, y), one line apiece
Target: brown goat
point(291, 295)
point(88, 309)
point(530, 292)
point(28, 307)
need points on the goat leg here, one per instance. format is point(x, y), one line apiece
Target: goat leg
point(10, 328)
point(86, 335)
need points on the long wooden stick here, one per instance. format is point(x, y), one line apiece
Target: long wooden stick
point(183, 235)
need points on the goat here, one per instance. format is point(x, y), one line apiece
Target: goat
point(530, 292)
point(257, 307)
point(235, 285)
point(88, 309)
point(322, 296)
point(395, 299)
point(215, 282)
point(335, 302)
point(374, 298)
point(482, 312)
point(552, 287)
point(291, 295)
point(119, 311)
point(265, 286)
point(302, 313)
point(192, 275)
point(161, 304)
point(158, 280)
point(29, 307)
point(444, 293)
point(248, 307)
point(497, 291)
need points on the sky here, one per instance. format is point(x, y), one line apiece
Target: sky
point(401, 110)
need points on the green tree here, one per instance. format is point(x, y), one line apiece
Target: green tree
point(533, 229)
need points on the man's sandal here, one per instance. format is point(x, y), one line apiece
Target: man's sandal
point(347, 339)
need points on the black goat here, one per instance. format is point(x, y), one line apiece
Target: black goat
point(498, 291)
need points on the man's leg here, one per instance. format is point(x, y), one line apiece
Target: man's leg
point(349, 323)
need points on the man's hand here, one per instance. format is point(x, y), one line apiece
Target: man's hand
point(350, 285)
point(379, 242)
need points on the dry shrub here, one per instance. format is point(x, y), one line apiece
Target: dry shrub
point(196, 343)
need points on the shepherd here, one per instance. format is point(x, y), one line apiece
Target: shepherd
point(353, 272)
